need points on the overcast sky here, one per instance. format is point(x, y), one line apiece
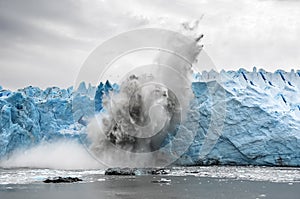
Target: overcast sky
point(44, 42)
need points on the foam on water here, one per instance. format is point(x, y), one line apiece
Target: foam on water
point(28, 176)
point(269, 174)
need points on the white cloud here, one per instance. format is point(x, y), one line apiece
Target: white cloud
point(238, 33)
point(46, 44)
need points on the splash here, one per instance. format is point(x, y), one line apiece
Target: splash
point(62, 154)
point(151, 104)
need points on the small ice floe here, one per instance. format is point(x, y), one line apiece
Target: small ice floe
point(162, 181)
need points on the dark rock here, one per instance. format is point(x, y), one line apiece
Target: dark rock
point(62, 180)
point(160, 171)
point(120, 171)
point(193, 172)
point(137, 171)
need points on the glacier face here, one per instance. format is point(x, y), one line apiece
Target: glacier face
point(236, 117)
point(261, 123)
point(30, 116)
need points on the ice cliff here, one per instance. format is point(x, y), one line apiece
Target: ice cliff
point(261, 125)
point(236, 117)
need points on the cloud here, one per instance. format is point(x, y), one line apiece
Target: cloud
point(44, 43)
point(238, 33)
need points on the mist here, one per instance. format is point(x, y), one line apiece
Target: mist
point(63, 154)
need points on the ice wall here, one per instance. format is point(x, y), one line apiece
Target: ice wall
point(260, 124)
point(31, 115)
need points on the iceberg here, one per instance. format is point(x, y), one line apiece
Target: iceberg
point(235, 118)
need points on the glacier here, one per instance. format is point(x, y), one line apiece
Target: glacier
point(257, 121)
point(261, 123)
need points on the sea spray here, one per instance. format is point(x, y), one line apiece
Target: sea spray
point(151, 104)
point(60, 154)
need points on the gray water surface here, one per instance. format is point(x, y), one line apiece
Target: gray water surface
point(180, 183)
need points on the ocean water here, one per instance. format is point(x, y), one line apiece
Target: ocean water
point(181, 182)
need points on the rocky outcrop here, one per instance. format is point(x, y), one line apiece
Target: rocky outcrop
point(62, 180)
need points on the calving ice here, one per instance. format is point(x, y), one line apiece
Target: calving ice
point(259, 120)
